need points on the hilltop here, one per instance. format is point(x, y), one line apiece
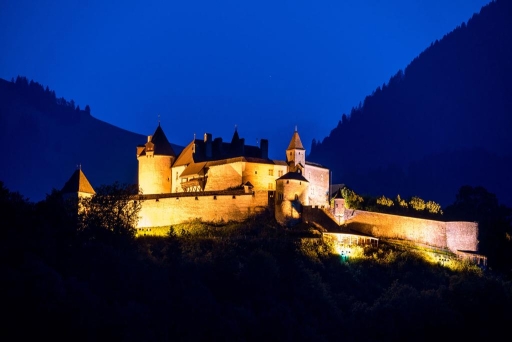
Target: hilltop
point(440, 123)
point(46, 138)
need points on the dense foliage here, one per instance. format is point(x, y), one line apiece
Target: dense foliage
point(414, 206)
point(251, 281)
point(44, 99)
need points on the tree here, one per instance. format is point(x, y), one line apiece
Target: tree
point(417, 203)
point(352, 200)
point(433, 207)
point(401, 202)
point(494, 223)
point(110, 214)
point(384, 201)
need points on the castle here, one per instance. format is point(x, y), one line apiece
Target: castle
point(219, 181)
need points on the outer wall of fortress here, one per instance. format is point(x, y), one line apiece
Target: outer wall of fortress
point(164, 211)
point(456, 236)
point(214, 207)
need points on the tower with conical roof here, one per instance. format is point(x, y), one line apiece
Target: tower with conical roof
point(295, 154)
point(77, 186)
point(155, 160)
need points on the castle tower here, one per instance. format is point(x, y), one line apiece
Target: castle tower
point(155, 160)
point(77, 186)
point(292, 194)
point(295, 154)
point(237, 146)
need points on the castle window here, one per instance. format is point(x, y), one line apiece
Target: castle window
point(196, 198)
point(234, 196)
point(255, 172)
point(214, 197)
point(287, 182)
point(280, 196)
point(270, 172)
point(280, 173)
point(176, 175)
point(296, 197)
point(270, 186)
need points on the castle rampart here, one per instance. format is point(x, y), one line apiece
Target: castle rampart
point(214, 206)
point(452, 235)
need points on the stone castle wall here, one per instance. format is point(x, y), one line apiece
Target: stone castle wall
point(318, 178)
point(288, 208)
point(452, 235)
point(154, 174)
point(462, 236)
point(166, 210)
point(223, 176)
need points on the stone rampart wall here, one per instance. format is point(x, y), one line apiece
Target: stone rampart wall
point(224, 176)
point(168, 210)
point(452, 235)
point(429, 232)
point(318, 185)
point(462, 236)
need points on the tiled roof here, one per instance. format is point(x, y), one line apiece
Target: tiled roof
point(294, 175)
point(194, 169)
point(159, 144)
point(162, 145)
point(315, 164)
point(295, 143)
point(216, 150)
point(78, 183)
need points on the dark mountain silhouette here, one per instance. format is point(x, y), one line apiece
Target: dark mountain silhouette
point(441, 123)
point(46, 138)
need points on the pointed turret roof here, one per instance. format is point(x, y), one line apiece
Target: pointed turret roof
point(235, 138)
point(295, 143)
point(162, 145)
point(77, 183)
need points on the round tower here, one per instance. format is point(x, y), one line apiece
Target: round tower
point(155, 160)
point(291, 195)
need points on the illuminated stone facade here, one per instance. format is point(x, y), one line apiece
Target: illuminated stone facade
point(216, 181)
point(178, 187)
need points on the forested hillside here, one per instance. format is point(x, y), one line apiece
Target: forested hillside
point(46, 138)
point(442, 122)
point(87, 278)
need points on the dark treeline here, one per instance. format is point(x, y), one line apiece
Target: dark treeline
point(439, 124)
point(80, 278)
point(44, 99)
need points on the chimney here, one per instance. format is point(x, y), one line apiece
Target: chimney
point(208, 144)
point(241, 147)
point(149, 138)
point(217, 146)
point(264, 148)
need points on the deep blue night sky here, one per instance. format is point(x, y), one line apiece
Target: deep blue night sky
point(206, 66)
